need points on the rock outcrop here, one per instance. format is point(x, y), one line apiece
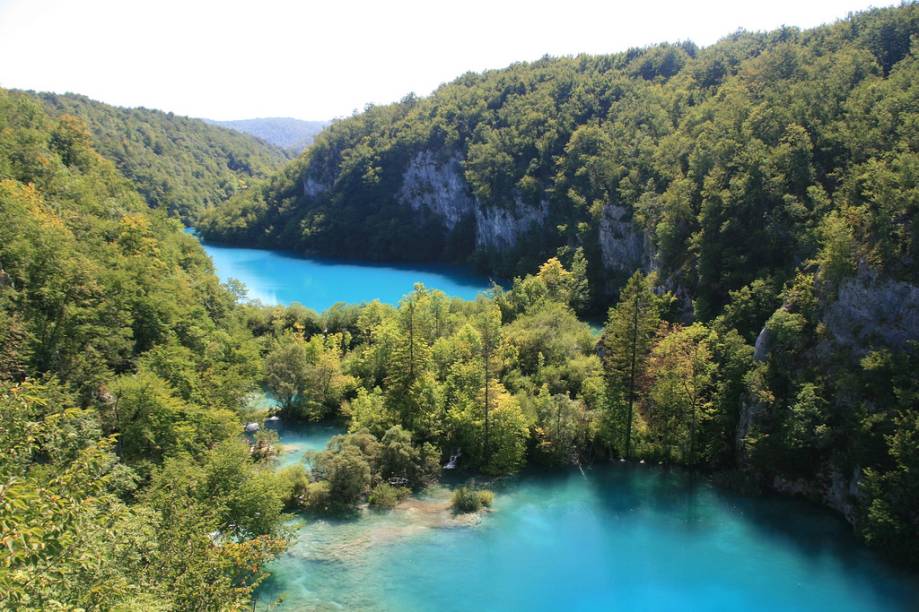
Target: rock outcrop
point(623, 245)
point(437, 185)
point(831, 488)
point(313, 188)
point(500, 228)
point(870, 312)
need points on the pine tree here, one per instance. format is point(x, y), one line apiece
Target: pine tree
point(411, 359)
point(627, 340)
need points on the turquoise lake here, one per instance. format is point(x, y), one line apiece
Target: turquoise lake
point(277, 277)
point(617, 537)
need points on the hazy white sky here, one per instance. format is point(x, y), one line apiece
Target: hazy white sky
point(317, 60)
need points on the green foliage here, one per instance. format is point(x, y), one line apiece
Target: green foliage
point(122, 368)
point(563, 428)
point(468, 499)
point(346, 467)
point(368, 411)
point(306, 375)
point(681, 372)
point(627, 340)
point(755, 177)
point(152, 423)
point(386, 496)
point(71, 540)
point(180, 165)
point(889, 520)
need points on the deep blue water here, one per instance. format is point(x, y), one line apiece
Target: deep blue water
point(277, 277)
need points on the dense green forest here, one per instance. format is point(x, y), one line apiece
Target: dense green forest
point(181, 165)
point(119, 487)
point(766, 331)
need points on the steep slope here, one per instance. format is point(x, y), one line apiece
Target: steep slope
point(178, 164)
point(715, 166)
point(285, 132)
point(123, 367)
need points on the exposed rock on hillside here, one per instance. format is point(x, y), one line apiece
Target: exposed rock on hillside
point(436, 184)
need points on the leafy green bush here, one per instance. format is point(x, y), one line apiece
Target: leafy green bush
point(318, 497)
point(469, 499)
point(387, 496)
point(295, 482)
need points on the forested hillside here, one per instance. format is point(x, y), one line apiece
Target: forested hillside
point(181, 165)
point(744, 215)
point(716, 166)
point(285, 132)
point(123, 369)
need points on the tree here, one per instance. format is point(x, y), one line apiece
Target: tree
point(580, 287)
point(410, 360)
point(286, 372)
point(561, 429)
point(346, 468)
point(488, 324)
point(509, 432)
point(627, 340)
point(682, 372)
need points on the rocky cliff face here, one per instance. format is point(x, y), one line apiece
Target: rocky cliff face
point(313, 188)
point(868, 313)
point(623, 246)
point(437, 184)
point(832, 488)
point(499, 229)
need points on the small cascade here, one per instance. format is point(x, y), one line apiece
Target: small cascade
point(453, 459)
point(577, 462)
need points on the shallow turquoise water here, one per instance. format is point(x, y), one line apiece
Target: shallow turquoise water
point(619, 538)
point(298, 438)
point(276, 277)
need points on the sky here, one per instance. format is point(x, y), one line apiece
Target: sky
point(319, 60)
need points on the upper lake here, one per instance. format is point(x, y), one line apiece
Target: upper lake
point(278, 277)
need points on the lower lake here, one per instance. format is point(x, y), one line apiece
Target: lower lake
point(616, 537)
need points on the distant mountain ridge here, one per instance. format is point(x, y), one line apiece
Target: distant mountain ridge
point(285, 132)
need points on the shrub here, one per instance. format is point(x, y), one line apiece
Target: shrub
point(468, 499)
point(387, 496)
point(296, 483)
point(318, 497)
